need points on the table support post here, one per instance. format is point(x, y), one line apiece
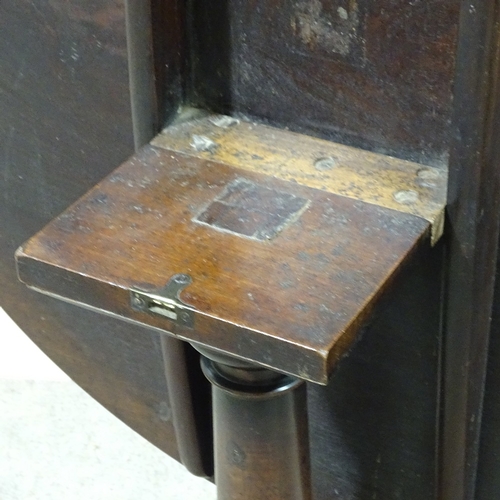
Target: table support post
point(261, 443)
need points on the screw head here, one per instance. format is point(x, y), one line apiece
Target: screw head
point(184, 317)
point(327, 163)
point(406, 197)
point(137, 301)
point(182, 279)
point(428, 174)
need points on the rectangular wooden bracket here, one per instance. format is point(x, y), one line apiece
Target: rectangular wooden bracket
point(374, 178)
point(287, 240)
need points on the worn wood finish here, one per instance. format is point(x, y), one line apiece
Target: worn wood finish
point(373, 178)
point(473, 227)
point(65, 122)
point(377, 75)
point(161, 213)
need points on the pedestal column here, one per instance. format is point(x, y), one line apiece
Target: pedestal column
point(261, 445)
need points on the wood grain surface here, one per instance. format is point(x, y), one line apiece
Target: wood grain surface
point(382, 180)
point(65, 123)
point(376, 75)
point(293, 302)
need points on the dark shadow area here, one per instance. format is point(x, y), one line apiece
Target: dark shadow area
point(169, 56)
point(209, 82)
point(374, 427)
point(488, 472)
point(202, 406)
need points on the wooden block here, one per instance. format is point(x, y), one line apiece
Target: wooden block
point(280, 273)
point(383, 180)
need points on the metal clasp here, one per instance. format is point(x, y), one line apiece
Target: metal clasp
point(165, 302)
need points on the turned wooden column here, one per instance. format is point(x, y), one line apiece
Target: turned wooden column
point(261, 445)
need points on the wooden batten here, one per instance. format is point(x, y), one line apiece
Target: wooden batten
point(382, 180)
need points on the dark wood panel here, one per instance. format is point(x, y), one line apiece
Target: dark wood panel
point(472, 238)
point(372, 74)
point(374, 427)
point(488, 471)
point(169, 52)
point(65, 122)
point(486, 448)
point(155, 46)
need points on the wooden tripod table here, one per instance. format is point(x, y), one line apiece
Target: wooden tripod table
point(264, 249)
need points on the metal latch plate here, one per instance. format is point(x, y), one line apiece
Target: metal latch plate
point(165, 302)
